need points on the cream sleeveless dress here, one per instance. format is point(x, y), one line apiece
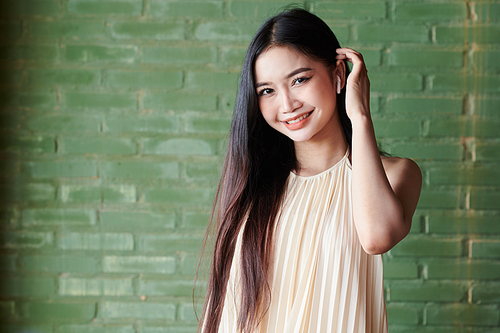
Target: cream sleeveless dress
point(323, 280)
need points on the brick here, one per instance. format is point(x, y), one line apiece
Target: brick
point(58, 310)
point(60, 264)
point(423, 150)
point(225, 31)
point(191, 9)
point(7, 309)
point(25, 143)
point(28, 52)
point(62, 77)
point(212, 82)
point(462, 314)
point(94, 329)
point(255, 9)
point(486, 106)
point(79, 193)
point(400, 269)
point(377, 33)
point(208, 125)
point(76, 286)
point(403, 314)
point(7, 264)
point(119, 193)
point(189, 264)
point(29, 7)
point(178, 146)
point(487, 11)
point(53, 216)
point(349, 10)
point(94, 241)
point(131, 220)
point(100, 100)
point(424, 246)
point(187, 312)
point(439, 199)
point(179, 55)
point(480, 199)
point(97, 145)
point(169, 243)
point(486, 59)
point(10, 29)
point(233, 56)
point(10, 77)
point(464, 176)
point(460, 34)
point(460, 83)
point(485, 248)
point(425, 57)
point(486, 293)
point(463, 223)
point(480, 269)
point(51, 169)
point(63, 123)
point(139, 264)
point(209, 171)
point(140, 124)
point(143, 310)
point(149, 30)
point(27, 286)
point(26, 240)
point(179, 196)
point(140, 169)
point(396, 128)
point(115, 7)
point(14, 328)
point(430, 12)
point(145, 79)
point(173, 287)
point(184, 328)
point(27, 193)
point(487, 151)
point(435, 291)
point(101, 53)
point(468, 127)
point(180, 101)
point(29, 100)
point(58, 29)
point(9, 122)
point(381, 82)
point(195, 220)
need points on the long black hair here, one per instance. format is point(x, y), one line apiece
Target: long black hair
point(258, 162)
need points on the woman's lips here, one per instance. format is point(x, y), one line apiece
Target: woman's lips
point(298, 122)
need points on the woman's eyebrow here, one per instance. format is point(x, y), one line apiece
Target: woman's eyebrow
point(293, 73)
point(297, 71)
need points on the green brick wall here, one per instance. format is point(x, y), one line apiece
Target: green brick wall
point(113, 118)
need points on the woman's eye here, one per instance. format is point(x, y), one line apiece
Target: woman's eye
point(301, 80)
point(265, 91)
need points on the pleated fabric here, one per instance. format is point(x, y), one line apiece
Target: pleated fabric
point(322, 279)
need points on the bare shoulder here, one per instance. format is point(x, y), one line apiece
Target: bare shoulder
point(397, 166)
point(405, 178)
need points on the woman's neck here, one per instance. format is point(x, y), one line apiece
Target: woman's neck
point(317, 155)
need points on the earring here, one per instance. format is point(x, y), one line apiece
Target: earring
point(338, 84)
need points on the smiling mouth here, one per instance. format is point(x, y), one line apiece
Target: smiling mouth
point(296, 120)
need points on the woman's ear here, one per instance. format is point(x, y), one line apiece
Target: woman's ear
point(339, 75)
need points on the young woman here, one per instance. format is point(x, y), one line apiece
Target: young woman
point(306, 204)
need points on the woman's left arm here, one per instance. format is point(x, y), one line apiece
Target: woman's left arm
point(385, 190)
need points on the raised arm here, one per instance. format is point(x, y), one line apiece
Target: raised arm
point(385, 189)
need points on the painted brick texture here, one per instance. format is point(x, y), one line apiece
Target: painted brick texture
point(113, 121)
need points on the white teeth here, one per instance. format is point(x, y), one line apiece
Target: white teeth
point(298, 119)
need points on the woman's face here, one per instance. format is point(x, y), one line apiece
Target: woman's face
point(296, 94)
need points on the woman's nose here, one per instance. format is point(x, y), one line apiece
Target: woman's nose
point(289, 102)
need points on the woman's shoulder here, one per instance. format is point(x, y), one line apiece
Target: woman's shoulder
point(401, 169)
